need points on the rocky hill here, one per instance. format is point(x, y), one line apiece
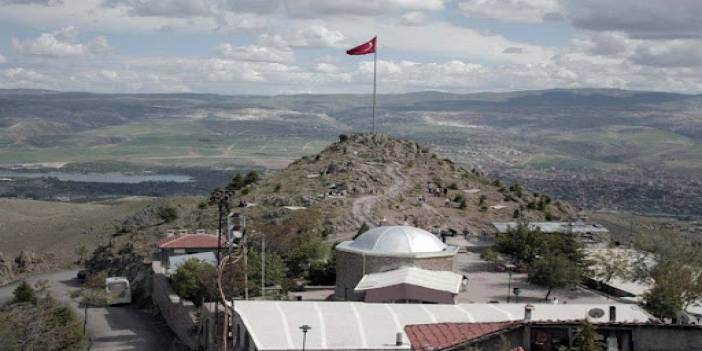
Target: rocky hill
point(379, 180)
point(325, 198)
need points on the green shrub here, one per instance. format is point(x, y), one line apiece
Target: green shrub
point(168, 214)
point(24, 293)
point(195, 281)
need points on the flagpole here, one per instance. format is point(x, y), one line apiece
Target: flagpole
point(375, 67)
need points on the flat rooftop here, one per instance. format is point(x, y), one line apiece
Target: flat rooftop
point(274, 325)
point(555, 227)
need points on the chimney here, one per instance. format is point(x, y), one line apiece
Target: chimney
point(170, 233)
point(527, 312)
point(398, 339)
point(612, 314)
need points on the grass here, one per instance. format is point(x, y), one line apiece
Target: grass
point(57, 229)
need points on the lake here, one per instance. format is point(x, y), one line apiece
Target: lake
point(111, 177)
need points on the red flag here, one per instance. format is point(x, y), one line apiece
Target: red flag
point(363, 49)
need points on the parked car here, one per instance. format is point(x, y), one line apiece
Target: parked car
point(82, 275)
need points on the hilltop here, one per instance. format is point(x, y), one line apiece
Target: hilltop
point(380, 180)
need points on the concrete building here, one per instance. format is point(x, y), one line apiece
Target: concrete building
point(384, 249)
point(185, 244)
point(552, 336)
point(589, 233)
point(410, 285)
point(346, 325)
point(555, 227)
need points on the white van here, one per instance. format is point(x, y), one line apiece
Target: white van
point(119, 290)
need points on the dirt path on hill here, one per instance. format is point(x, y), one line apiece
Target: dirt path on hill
point(362, 209)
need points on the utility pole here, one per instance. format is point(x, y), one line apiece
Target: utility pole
point(509, 285)
point(263, 267)
point(246, 267)
point(221, 198)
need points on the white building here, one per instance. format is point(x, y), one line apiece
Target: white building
point(275, 325)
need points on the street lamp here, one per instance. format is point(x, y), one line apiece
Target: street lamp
point(516, 292)
point(305, 328)
point(509, 285)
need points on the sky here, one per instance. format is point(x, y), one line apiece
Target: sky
point(298, 46)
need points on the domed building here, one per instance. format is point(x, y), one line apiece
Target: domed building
point(385, 249)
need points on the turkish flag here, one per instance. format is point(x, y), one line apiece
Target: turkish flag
point(363, 49)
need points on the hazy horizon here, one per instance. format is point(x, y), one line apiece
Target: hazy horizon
point(273, 47)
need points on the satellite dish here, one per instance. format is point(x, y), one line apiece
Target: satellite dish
point(596, 313)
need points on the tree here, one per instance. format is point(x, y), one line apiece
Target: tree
point(490, 255)
point(517, 189)
point(168, 213)
point(323, 273)
point(521, 242)
point(24, 294)
point(610, 265)
point(305, 249)
point(462, 205)
point(586, 339)
point(675, 287)
point(45, 324)
point(236, 183)
point(195, 280)
point(554, 270)
point(251, 177)
point(275, 269)
point(673, 264)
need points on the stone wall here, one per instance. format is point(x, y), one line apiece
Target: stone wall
point(180, 314)
point(351, 267)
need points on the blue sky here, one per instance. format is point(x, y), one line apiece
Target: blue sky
point(297, 46)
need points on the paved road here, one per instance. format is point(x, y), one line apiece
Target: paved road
point(110, 328)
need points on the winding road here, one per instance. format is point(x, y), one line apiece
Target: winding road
point(109, 328)
point(362, 207)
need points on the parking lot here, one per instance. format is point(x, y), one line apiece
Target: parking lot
point(486, 285)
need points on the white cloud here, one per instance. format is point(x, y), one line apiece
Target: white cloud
point(255, 53)
point(639, 19)
point(414, 18)
point(671, 53)
point(317, 8)
point(326, 67)
point(32, 2)
point(60, 43)
point(313, 35)
point(442, 40)
point(2, 59)
point(532, 11)
point(164, 8)
point(24, 78)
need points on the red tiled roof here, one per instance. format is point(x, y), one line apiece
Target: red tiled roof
point(188, 241)
point(443, 335)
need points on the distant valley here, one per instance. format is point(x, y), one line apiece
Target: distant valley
point(609, 150)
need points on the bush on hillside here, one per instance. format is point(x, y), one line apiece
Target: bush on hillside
point(37, 321)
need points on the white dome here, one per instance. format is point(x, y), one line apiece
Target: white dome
point(397, 240)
